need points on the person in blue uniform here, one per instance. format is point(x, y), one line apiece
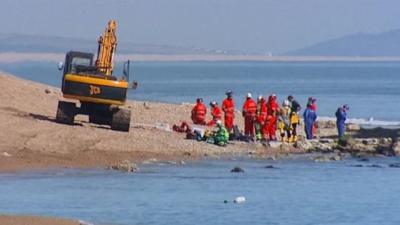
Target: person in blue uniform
point(341, 116)
point(310, 117)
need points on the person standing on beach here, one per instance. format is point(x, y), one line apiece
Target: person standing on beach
point(312, 102)
point(249, 113)
point(228, 106)
point(261, 118)
point(341, 116)
point(272, 117)
point(294, 117)
point(284, 121)
point(215, 113)
point(199, 112)
point(309, 119)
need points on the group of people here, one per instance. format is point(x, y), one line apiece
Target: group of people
point(265, 116)
point(262, 118)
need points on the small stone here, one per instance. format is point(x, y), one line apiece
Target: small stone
point(336, 158)
point(146, 105)
point(6, 154)
point(353, 127)
point(274, 144)
point(47, 91)
point(326, 141)
point(237, 170)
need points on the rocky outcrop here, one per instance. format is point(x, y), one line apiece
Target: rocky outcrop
point(396, 147)
point(125, 166)
point(383, 146)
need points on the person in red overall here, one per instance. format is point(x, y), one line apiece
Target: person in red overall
point(216, 114)
point(272, 116)
point(199, 112)
point(261, 118)
point(228, 106)
point(249, 113)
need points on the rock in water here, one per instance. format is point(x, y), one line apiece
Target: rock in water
point(125, 166)
point(239, 200)
point(270, 167)
point(356, 165)
point(237, 170)
point(375, 166)
point(394, 165)
point(322, 158)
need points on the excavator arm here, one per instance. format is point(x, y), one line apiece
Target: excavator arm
point(106, 49)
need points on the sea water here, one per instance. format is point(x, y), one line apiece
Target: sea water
point(370, 89)
point(295, 191)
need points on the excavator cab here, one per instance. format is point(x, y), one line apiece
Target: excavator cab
point(78, 62)
point(93, 84)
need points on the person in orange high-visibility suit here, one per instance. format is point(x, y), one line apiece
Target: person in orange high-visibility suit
point(272, 116)
point(228, 107)
point(199, 112)
point(249, 113)
point(215, 113)
point(261, 118)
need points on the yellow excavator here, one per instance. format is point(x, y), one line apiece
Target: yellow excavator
point(92, 83)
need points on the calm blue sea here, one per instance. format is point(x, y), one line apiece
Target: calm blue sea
point(370, 89)
point(297, 192)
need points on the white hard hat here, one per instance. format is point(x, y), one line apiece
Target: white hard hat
point(249, 95)
point(260, 97)
point(286, 103)
point(219, 123)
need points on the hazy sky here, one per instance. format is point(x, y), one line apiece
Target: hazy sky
point(253, 25)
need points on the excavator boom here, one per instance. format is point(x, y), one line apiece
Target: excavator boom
point(106, 49)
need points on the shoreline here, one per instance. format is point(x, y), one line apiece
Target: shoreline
point(36, 220)
point(14, 57)
point(33, 140)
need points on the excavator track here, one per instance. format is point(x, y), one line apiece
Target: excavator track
point(121, 120)
point(66, 112)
